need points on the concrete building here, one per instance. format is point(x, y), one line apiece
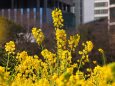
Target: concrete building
point(84, 11)
point(111, 17)
point(34, 12)
point(101, 9)
point(111, 25)
point(88, 12)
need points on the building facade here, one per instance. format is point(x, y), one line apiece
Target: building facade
point(84, 11)
point(101, 9)
point(112, 11)
point(31, 13)
point(90, 10)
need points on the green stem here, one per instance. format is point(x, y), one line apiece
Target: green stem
point(104, 59)
point(7, 63)
point(79, 64)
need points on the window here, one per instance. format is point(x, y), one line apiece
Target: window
point(101, 4)
point(105, 11)
point(112, 1)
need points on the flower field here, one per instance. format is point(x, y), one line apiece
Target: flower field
point(56, 67)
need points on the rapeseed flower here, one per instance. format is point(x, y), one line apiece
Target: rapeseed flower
point(38, 35)
point(101, 50)
point(73, 42)
point(57, 18)
point(10, 47)
point(61, 39)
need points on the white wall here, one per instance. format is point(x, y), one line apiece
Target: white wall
point(88, 10)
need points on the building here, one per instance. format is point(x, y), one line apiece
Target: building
point(112, 12)
point(102, 29)
point(111, 25)
point(84, 11)
point(88, 12)
point(101, 9)
point(31, 13)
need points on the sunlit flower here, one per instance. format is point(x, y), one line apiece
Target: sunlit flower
point(2, 69)
point(57, 18)
point(101, 50)
point(38, 35)
point(61, 39)
point(48, 55)
point(10, 47)
point(73, 42)
point(89, 46)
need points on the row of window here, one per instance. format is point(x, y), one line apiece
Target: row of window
point(101, 4)
point(104, 11)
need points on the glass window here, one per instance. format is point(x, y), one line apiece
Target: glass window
point(112, 1)
point(101, 4)
point(101, 11)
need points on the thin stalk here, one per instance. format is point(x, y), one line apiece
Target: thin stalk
point(7, 63)
point(80, 64)
point(104, 59)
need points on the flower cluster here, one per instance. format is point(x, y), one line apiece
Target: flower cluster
point(3, 76)
point(38, 35)
point(61, 39)
point(88, 46)
point(49, 56)
point(73, 42)
point(10, 47)
point(101, 76)
point(57, 18)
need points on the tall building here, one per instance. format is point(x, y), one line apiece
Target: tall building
point(34, 12)
point(111, 17)
point(84, 11)
point(101, 9)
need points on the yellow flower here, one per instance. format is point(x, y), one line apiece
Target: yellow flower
point(22, 55)
point(61, 38)
point(2, 69)
point(55, 76)
point(101, 50)
point(80, 52)
point(70, 70)
point(88, 69)
point(38, 35)
point(73, 42)
point(48, 56)
point(10, 47)
point(94, 62)
point(89, 46)
point(57, 18)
